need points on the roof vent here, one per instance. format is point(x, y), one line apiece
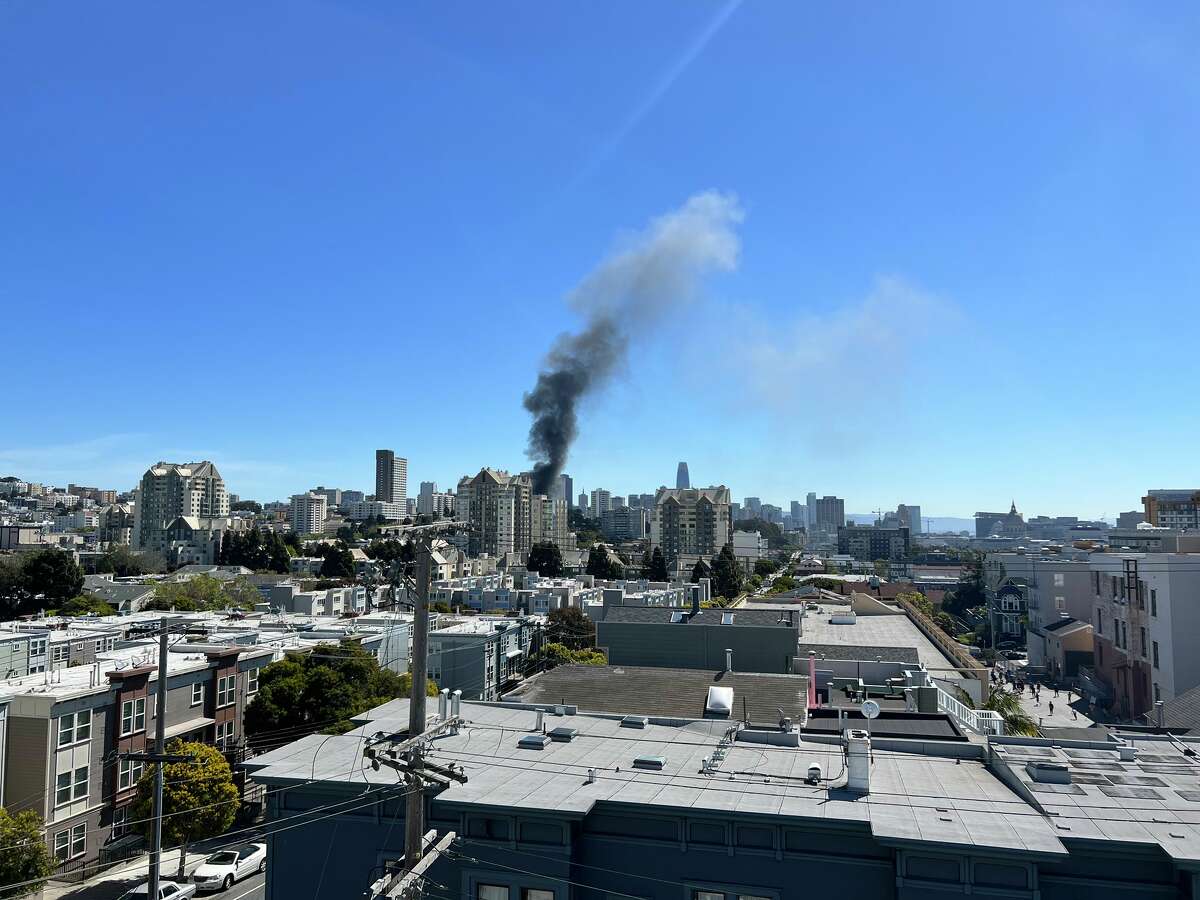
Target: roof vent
point(650, 762)
point(534, 742)
point(677, 617)
point(1046, 772)
point(719, 703)
point(562, 734)
point(726, 618)
point(634, 722)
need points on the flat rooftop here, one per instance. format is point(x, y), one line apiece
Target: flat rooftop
point(867, 632)
point(920, 796)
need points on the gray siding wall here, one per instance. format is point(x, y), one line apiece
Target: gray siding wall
point(27, 767)
point(695, 646)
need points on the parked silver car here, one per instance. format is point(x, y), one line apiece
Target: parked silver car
point(222, 869)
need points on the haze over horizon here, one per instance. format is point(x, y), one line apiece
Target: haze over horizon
point(280, 237)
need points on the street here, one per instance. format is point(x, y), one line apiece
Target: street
point(112, 885)
point(1065, 714)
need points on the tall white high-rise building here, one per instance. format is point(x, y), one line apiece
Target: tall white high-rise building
point(601, 502)
point(391, 477)
point(692, 522)
point(497, 506)
point(549, 523)
point(308, 513)
point(170, 490)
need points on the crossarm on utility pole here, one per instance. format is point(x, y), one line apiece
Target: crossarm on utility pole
point(409, 884)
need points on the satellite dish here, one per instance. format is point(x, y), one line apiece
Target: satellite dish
point(870, 709)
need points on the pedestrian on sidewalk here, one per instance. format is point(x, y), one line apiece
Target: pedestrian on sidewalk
point(1051, 707)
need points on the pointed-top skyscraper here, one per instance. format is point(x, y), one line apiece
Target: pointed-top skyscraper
point(682, 481)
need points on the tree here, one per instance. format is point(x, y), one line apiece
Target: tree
point(781, 584)
point(200, 799)
point(339, 562)
point(559, 654)
point(319, 691)
point(204, 593)
point(765, 567)
point(84, 605)
point(53, 575)
point(603, 565)
point(1016, 720)
point(14, 595)
point(700, 570)
point(646, 563)
point(658, 566)
point(727, 574)
point(545, 559)
point(123, 562)
point(571, 627)
point(24, 856)
point(246, 506)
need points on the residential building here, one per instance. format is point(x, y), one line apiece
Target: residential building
point(483, 656)
point(625, 523)
point(170, 490)
point(308, 513)
point(830, 512)
point(333, 496)
point(1145, 621)
point(497, 507)
point(683, 480)
point(601, 502)
point(1178, 509)
point(196, 540)
point(582, 502)
point(548, 522)
point(64, 732)
point(1043, 588)
point(692, 522)
point(872, 542)
point(349, 497)
point(752, 507)
point(362, 510)
point(431, 502)
point(123, 596)
point(116, 524)
point(391, 477)
point(1069, 646)
point(749, 547)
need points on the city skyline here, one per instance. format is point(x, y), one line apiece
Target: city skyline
point(1025, 214)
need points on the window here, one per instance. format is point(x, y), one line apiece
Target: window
point(133, 716)
point(70, 786)
point(60, 653)
point(78, 839)
point(224, 734)
point(129, 771)
point(197, 693)
point(120, 822)
point(1060, 603)
point(1156, 654)
point(491, 892)
point(99, 645)
point(1059, 579)
point(1142, 646)
point(252, 678)
point(1153, 602)
point(74, 727)
point(62, 846)
point(707, 895)
point(226, 692)
point(536, 894)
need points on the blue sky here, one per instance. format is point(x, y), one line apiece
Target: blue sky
point(280, 235)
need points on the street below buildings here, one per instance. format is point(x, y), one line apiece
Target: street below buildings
point(118, 881)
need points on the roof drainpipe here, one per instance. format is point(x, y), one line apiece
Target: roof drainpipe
point(812, 679)
point(728, 659)
point(1158, 709)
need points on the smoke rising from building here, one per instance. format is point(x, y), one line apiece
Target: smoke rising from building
point(624, 297)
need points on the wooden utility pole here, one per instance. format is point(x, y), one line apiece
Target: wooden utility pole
point(414, 815)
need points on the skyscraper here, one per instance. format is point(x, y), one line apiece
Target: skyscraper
point(169, 490)
point(810, 509)
point(497, 506)
point(682, 480)
point(566, 489)
point(391, 477)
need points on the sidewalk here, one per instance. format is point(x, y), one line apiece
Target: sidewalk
point(1064, 716)
point(114, 882)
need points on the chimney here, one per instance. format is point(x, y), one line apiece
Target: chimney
point(695, 602)
point(728, 659)
point(1158, 709)
point(540, 726)
point(456, 704)
point(443, 704)
point(858, 761)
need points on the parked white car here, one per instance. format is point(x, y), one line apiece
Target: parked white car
point(221, 870)
point(167, 890)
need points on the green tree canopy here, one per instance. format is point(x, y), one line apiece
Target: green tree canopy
point(24, 856)
point(658, 566)
point(571, 627)
point(765, 567)
point(246, 506)
point(204, 593)
point(603, 565)
point(254, 549)
point(200, 799)
point(560, 654)
point(320, 691)
point(15, 599)
point(52, 574)
point(124, 562)
point(727, 574)
point(546, 559)
point(339, 563)
point(86, 604)
point(700, 570)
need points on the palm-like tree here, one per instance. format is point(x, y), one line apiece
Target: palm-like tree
point(1016, 720)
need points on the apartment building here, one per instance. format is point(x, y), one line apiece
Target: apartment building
point(361, 510)
point(872, 542)
point(391, 477)
point(497, 506)
point(432, 502)
point(691, 522)
point(1145, 621)
point(549, 522)
point(1178, 509)
point(626, 523)
point(116, 524)
point(748, 548)
point(309, 512)
point(170, 490)
point(65, 728)
point(1046, 588)
point(483, 656)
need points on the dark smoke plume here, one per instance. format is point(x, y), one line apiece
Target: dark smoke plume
point(625, 296)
